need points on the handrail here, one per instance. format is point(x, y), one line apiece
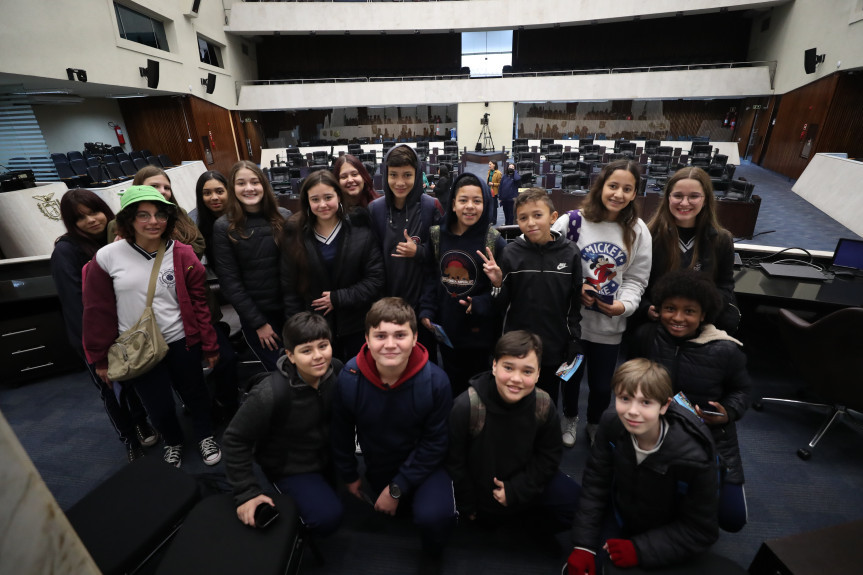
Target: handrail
point(771, 64)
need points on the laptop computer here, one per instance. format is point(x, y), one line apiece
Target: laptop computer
point(848, 257)
point(793, 271)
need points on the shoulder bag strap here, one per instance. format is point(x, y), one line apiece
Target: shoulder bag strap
point(151, 290)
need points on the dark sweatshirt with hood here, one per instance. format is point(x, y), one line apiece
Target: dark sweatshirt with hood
point(457, 275)
point(402, 427)
point(405, 276)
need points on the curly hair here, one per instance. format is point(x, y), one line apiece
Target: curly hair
point(126, 220)
point(184, 229)
point(692, 285)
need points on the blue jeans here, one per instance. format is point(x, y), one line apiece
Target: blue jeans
point(320, 508)
point(182, 369)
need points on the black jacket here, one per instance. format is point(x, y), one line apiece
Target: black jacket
point(355, 281)
point(67, 260)
point(283, 440)
point(248, 268)
point(513, 446)
point(405, 276)
point(667, 505)
point(541, 292)
point(709, 367)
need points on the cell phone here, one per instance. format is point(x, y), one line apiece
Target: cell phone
point(716, 413)
point(264, 515)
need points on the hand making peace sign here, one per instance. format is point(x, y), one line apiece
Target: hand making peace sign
point(490, 267)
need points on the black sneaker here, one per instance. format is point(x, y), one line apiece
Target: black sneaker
point(134, 452)
point(146, 434)
point(173, 455)
point(210, 452)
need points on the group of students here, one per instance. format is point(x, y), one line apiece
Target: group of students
point(308, 286)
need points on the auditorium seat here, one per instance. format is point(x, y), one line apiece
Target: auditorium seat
point(128, 168)
point(140, 163)
point(165, 161)
point(154, 161)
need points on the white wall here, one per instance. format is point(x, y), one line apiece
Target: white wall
point(66, 128)
point(43, 37)
point(834, 27)
point(719, 83)
point(291, 17)
point(500, 116)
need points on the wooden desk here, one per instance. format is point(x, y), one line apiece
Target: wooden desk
point(754, 286)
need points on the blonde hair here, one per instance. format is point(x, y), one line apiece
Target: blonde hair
point(649, 376)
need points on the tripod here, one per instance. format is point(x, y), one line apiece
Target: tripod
point(484, 141)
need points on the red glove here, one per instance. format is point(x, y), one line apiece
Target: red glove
point(622, 552)
point(581, 562)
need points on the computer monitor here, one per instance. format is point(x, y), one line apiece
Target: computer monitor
point(848, 255)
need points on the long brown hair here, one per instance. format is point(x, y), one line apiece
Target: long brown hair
point(69, 204)
point(185, 230)
point(593, 210)
point(663, 226)
point(367, 194)
point(302, 224)
point(269, 205)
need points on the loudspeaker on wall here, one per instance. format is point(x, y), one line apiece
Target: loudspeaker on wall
point(151, 72)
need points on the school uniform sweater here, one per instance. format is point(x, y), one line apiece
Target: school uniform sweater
point(612, 270)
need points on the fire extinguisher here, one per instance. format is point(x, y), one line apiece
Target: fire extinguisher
point(733, 120)
point(119, 132)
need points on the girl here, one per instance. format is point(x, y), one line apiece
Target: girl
point(355, 182)
point(185, 231)
point(211, 194)
point(708, 366)
point(687, 235)
point(616, 256)
point(457, 294)
point(331, 266)
point(246, 250)
point(115, 294)
point(86, 216)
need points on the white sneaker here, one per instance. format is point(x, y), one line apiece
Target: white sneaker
point(357, 449)
point(591, 432)
point(173, 455)
point(569, 425)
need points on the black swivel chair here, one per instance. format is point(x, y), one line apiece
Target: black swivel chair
point(128, 168)
point(554, 154)
point(527, 170)
point(828, 356)
point(165, 161)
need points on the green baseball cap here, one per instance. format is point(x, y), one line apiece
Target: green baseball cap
point(135, 194)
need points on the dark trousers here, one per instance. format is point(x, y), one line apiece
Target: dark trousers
point(732, 507)
point(268, 357)
point(224, 375)
point(429, 341)
point(124, 413)
point(432, 504)
point(508, 213)
point(320, 508)
point(182, 369)
point(552, 511)
point(461, 364)
point(549, 382)
point(494, 202)
point(601, 360)
point(348, 346)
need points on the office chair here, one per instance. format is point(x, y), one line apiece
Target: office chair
point(554, 154)
point(527, 170)
point(828, 356)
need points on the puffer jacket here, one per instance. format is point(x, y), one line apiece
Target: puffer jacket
point(709, 367)
point(667, 505)
point(248, 268)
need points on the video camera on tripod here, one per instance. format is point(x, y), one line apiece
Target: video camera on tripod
point(484, 120)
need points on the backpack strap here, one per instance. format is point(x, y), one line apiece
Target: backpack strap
point(574, 228)
point(491, 237)
point(434, 235)
point(543, 404)
point(477, 412)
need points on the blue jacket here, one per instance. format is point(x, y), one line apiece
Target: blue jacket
point(456, 275)
point(509, 186)
point(402, 428)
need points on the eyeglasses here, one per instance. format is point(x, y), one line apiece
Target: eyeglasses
point(677, 197)
point(144, 217)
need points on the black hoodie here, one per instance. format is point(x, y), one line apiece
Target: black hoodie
point(405, 276)
point(457, 274)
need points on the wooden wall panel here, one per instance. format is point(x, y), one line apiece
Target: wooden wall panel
point(762, 130)
point(165, 125)
point(807, 105)
point(249, 135)
point(843, 128)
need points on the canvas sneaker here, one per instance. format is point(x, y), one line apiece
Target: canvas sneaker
point(210, 452)
point(147, 436)
point(134, 452)
point(173, 455)
point(569, 425)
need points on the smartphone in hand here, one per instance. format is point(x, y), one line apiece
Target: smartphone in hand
point(264, 515)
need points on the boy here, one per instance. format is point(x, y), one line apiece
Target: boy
point(401, 219)
point(538, 283)
point(505, 443)
point(399, 402)
point(284, 426)
point(654, 470)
